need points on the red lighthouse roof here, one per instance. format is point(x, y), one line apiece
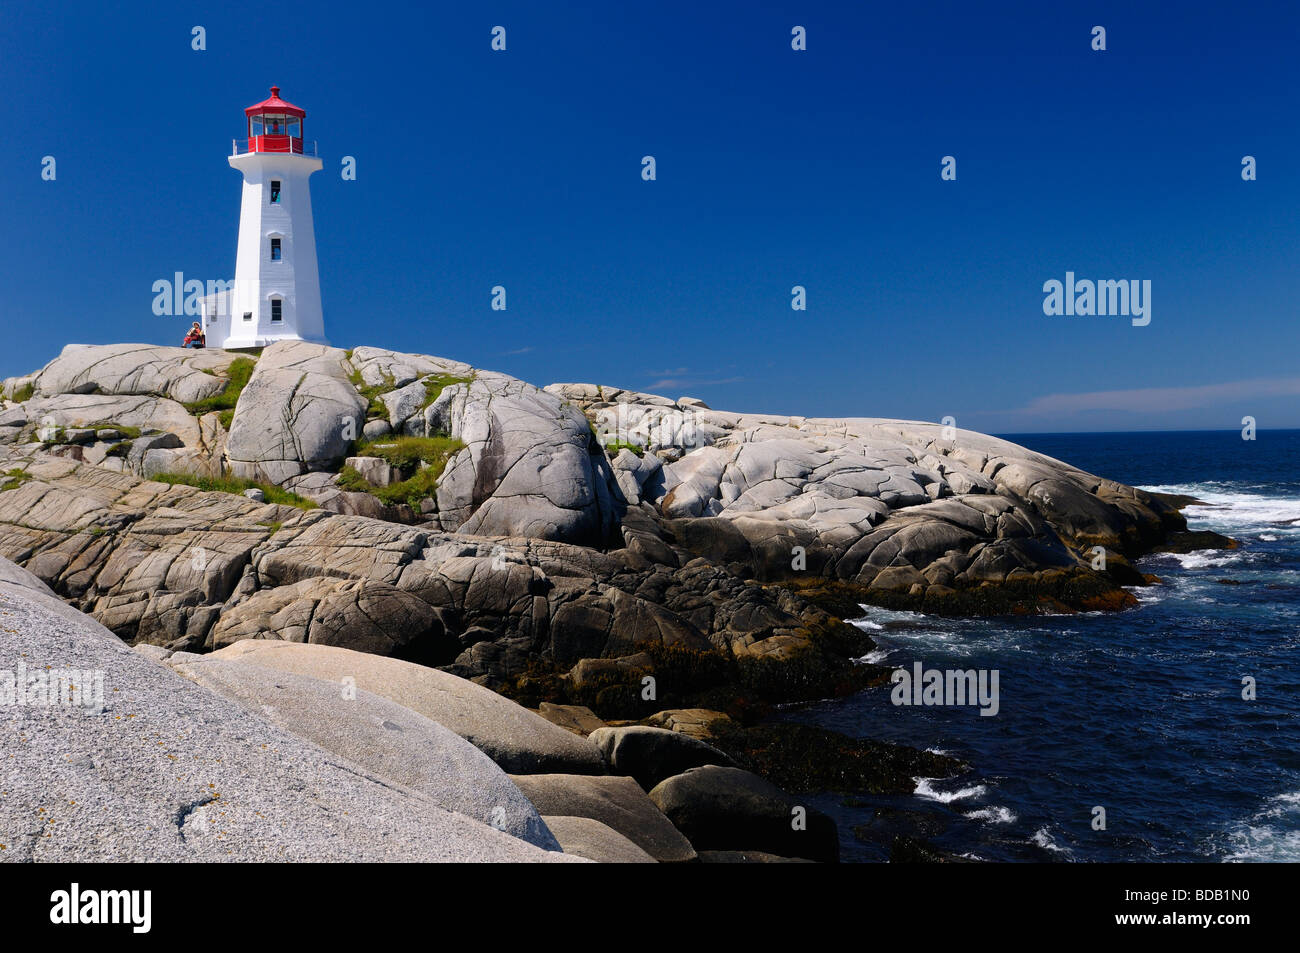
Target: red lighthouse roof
point(276, 105)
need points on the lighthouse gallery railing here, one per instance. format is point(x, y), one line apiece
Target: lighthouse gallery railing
point(287, 144)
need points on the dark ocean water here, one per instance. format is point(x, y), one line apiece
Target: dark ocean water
point(1139, 712)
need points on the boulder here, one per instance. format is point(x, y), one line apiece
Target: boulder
point(588, 669)
point(372, 617)
point(134, 369)
point(298, 412)
point(375, 470)
point(381, 367)
point(721, 808)
point(638, 476)
point(618, 803)
point(146, 413)
point(585, 837)
point(323, 490)
point(526, 470)
point(695, 722)
point(137, 458)
point(509, 734)
point(155, 652)
point(360, 614)
point(385, 738)
point(651, 755)
point(403, 403)
point(575, 718)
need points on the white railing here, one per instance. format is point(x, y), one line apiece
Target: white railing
point(294, 145)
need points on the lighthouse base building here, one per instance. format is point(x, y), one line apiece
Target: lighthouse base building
point(275, 295)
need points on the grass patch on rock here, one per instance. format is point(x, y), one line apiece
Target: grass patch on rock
point(422, 484)
point(435, 384)
point(14, 478)
point(421, 461)
point(376, 409)
point(126, 430)
point(24, 393)
point(406, 453)
point(237, 375)
point(237, 486)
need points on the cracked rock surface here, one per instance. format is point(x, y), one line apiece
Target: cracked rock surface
point(172, 566)
point(701, 529)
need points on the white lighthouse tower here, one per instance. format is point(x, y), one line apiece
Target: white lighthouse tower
point(276, 291)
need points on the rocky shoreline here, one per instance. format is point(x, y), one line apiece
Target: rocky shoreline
point(617, 562)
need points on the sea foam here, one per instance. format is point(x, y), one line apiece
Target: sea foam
point(928, 791)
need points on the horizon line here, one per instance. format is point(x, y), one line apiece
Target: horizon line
point(1082, 433)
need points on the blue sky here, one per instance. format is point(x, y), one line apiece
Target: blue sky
point(775, 168)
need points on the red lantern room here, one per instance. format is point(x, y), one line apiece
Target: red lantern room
point(275, 126)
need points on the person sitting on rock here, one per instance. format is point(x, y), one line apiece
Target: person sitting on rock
point(196, 337)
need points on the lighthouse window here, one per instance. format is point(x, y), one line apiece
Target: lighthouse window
point(248, 316)
point(275, 309)
point(275, 191)
point(275, 249)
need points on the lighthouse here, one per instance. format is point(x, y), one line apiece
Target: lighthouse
point(276, 292)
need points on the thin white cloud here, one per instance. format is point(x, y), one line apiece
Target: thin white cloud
point(680, 378)
point(1147, 400)
point(680, 383)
